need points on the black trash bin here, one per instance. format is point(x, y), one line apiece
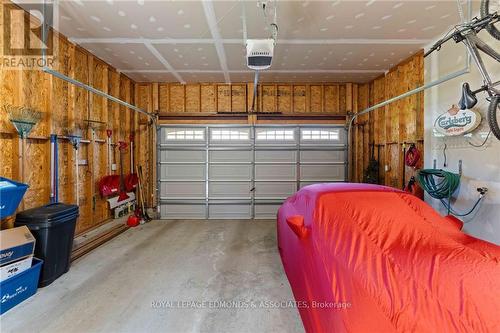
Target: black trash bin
point(53, 226)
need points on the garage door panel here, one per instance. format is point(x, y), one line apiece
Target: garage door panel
point(183, 211)
point(182, 189)
point(230, 172)
point(281, 156)
point(275, 172)
point(229, 211)
point(222, 156)
point(266, 211)
point(322, 156)
point(182, 172)
point(229, 189)
point(322, 172)
point(179, 156)
point(274, 189)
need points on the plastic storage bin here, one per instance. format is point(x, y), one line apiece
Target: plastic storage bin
point(11, 194)
point(20, 287)
point(54, 229)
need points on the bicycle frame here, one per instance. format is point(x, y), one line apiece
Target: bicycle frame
point(473, 45)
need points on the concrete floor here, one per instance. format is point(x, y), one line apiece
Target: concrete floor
point(135, 283)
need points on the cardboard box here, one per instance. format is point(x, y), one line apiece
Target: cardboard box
point(14, 268)
point(16, 243)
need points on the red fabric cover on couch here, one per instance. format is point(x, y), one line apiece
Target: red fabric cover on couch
point(370, 258)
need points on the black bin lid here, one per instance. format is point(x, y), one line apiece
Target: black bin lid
point(48, 215)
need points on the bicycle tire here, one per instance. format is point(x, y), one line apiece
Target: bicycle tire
point(485, 10)
point(492, 116)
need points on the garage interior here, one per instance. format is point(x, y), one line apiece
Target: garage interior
point(160, 96)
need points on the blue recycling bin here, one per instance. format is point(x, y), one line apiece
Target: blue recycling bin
point(11, 194)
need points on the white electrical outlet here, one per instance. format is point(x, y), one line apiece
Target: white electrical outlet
point(113, 167)
point(387, 168)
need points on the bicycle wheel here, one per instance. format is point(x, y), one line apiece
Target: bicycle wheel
point(493, 115)
point(488, 8)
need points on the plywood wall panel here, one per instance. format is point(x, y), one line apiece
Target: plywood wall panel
point(208, 98)
point(299, 99)
point(177, 98)
point(268, 98)
point(284, 96)
point(316, 93)
point(193, 102)
point(163, 90)
point(223, 98)
point(331, 99)
point(238, 98)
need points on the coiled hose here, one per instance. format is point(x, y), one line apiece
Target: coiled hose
point(441, 185)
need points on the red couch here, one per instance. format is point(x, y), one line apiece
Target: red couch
point(368, 258)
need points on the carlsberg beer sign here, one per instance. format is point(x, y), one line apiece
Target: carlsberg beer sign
point(457, 122)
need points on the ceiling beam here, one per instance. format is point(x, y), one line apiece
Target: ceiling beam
point(208, 8)
point(312, 71)
point(164, 62)
point(349, 41)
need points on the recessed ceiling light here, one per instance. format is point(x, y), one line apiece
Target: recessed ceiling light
point(159, 29)
point(140, 2)
point(430, 7)
point(330, 17)
point(360, 15)
point(107, 49)
point(397, 5)
point(95, 18)
point(369, 3)
point(305, 4)
point(152, 19)
point(180, 56)
point(411, 21)
point(376, 27)
point(110, 2)
point(180, 12)
point(133, 26)
point(176, 50)
point(106, 28)
point(66, 18)
point(79, 3)
point(323, 29)
point(80, 29)
point(349, 27)
point(402, 30)
point(187, 26)
point(146, 63)
point(139, 57)
point(203, 58)
point(121, 13)
point(131, 52)
point(300, 19)
point(428, 28)
point(445, 16)
point(306, 57)
point(386, 17)
point(302, 64)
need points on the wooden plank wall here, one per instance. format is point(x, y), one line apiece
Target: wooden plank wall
point(65, 107)
point(392, 127)
point(284, 98)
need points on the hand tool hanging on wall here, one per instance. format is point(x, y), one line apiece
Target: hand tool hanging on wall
point(371, 173)
point(54, 176)
point(75, 139)
point(123, 193)
point(145, 215)
point(131, 138)
point(109, 133)
point(24, 119)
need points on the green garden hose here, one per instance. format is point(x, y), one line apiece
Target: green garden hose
point(441, 185)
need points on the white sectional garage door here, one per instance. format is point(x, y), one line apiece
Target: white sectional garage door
point(243, 172)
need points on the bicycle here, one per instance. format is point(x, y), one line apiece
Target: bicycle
point(467, 33)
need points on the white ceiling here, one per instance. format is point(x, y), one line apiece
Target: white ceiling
point(199, 41)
